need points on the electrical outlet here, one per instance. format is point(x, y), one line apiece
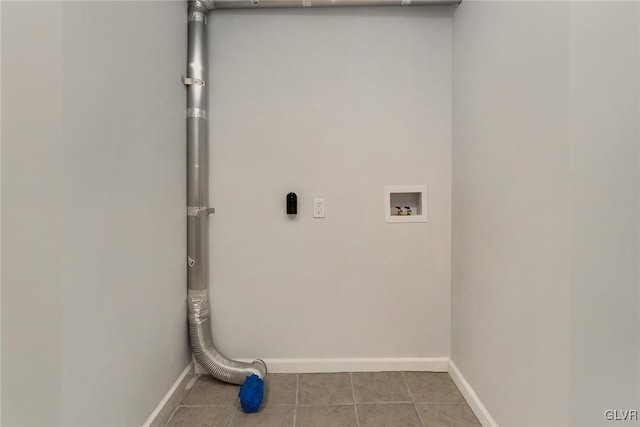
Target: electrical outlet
point(318, 208)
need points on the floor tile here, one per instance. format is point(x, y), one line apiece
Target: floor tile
point(280, 389)
point(327, 400)
point(326, 416)
point(209, 391)
point(325, 389)
point(267, 416)
point(388, 415)
point(447, 415)
point(380, 387)
point(201, 416)
point(436, 387)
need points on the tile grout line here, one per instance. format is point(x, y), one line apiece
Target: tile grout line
point(215, 405)
point(295, 407)
point(172, 414)
point(413, 399)
point(233, 414)
point(188, 387)
point(192, 382)
point(353, 391)
point(184, 393)
point(384, 402)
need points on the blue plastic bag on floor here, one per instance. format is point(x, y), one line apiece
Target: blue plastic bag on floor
point(251, 393)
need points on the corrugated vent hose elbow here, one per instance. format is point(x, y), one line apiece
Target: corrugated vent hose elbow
point(221, 367)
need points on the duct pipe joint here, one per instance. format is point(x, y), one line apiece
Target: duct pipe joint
point(202, 6)
point(188, 81)
point(196, 15)
point(200, 211)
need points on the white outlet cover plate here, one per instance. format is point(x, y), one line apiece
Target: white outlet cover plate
point(318, 208)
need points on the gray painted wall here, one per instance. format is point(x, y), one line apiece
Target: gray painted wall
point(545, 209)
point(604, 145)
point(335, 104)
point(510, 296)
point(33, 212)
point(93, 178)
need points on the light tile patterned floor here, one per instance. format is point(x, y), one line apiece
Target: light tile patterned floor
point(363, 399)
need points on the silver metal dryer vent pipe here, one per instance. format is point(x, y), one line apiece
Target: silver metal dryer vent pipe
point(198, 212)
point(261, 4)
point(198, 209)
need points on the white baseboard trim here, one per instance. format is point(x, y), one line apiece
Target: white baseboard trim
point(304, 366)
point(471, 397)
point(162, 412)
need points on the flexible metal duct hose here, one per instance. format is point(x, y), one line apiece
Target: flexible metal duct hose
point(221, 367)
